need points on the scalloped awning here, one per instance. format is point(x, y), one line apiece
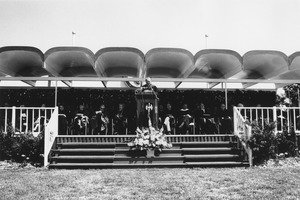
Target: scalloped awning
point(206, 69)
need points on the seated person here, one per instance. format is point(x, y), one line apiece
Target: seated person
point(204, 121)
point(120, 120)
point(224, 120)
point(184, 120)
point(81, 121)
point(102, 121)
point(40, 122)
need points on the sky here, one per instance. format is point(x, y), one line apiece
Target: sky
point(238, 25)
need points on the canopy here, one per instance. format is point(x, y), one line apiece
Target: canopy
point(168, 67)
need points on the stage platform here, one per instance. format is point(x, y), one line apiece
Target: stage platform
point(85, 152)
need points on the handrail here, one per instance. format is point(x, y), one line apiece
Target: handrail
point(24, 119)
point(51, 132)
point(284, 116)
point(243, 131)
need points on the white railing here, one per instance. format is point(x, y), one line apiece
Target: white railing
point(24, 119)
point(51, 132)
point(284, 116)
point(243, 131)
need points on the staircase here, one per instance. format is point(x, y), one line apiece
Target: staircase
point(90, 153)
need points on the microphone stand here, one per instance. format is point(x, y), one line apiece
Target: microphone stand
point(154, 93)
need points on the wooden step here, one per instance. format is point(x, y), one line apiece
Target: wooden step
point(119, 152)
point(112, 165)
point(84, 151)
point(149, 160)
point(82, 159)
point(218, 164)
point(80, 165)
point(206, 144)
point(211, 157)
point(208, 150)
point(86, 145)
point(85, 155)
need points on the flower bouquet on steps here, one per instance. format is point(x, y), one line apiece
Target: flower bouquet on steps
point(148, 139)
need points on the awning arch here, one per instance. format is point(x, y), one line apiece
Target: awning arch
point(216, 63)
point(168, 62)
point(119, 62)
point(22, 61)
point(70, 62)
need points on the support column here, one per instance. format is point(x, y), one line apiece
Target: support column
point(226, 99)
point(55, 100)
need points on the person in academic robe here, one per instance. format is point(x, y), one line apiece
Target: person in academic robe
point(224, 120)
point(102, 121)
point(200, 121)
point(81, 121)
point(150, 87)
point(146, 113)
point(62, 121)
point(120, 120)
point(184, 119)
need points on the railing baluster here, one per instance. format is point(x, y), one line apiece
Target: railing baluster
point(27, 116)
point(268, 115)
point(262, 117)
point(288, 119)
point(5, 120)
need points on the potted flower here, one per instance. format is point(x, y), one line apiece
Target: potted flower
point(149, 140)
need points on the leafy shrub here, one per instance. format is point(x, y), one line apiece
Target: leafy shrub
point(286, 142)
point(22, 148)
point(266, 145)
point(263, 142)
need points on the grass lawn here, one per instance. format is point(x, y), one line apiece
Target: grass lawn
point(164, 183)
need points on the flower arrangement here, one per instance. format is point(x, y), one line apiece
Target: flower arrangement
point(149, 139)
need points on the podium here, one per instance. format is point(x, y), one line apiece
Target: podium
point(146, 102)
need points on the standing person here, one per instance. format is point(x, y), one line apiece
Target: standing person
point(199, 118)
point(102, 121)
point(150, 86)
point(120, 120)
point(62, 121)
point(161, 116)
point(169, 121)
point(224, 120)
point(147, 109)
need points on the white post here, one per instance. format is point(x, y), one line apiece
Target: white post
point(234, 120)
point(51, 132)
point(5, 122)
point(226, 99)
point(55, 103)
point(275, 118)
point(249, 134)
point(13, 118)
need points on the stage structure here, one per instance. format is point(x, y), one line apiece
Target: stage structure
point(170, 68)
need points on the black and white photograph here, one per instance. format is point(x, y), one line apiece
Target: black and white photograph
point(149, 99)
